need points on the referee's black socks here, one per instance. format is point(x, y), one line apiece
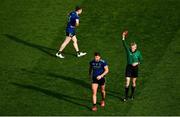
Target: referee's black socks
point(126, 92)
point(132, 90)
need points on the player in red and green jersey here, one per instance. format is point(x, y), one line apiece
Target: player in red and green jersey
point(134, 58)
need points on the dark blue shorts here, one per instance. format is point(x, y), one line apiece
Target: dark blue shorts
point(70, 32)
point(99, 82)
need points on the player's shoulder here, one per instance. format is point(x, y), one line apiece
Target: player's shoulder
point(73, 13)
point(103, 61)
point(138, 51)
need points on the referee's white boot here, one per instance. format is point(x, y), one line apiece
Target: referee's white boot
point(59, 55)
point(80, 54)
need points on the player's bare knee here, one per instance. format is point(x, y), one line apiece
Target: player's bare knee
point(103, 91)
point(127, 84)
point(134, 84)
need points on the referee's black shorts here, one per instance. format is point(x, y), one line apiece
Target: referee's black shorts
point(131, 71)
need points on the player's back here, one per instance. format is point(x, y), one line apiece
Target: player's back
point(72, 19)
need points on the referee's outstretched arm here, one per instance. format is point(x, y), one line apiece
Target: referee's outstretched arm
point(124, 43)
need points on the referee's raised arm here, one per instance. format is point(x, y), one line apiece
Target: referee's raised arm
point(124, 34)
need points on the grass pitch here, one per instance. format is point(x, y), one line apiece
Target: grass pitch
point(34, 82)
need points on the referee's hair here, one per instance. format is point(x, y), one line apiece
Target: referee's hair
point(78, 8)
point(97, 54)
point(133, 43)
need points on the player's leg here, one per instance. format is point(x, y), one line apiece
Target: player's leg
point(127, 83)
point(75, 44)
point(94, 96)
point(134, 77)
point(64, 44)
point(133, 87)
point(103, 94)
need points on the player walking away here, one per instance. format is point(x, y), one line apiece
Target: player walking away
point(73, 22)
point(134, 58)
point(97, 71)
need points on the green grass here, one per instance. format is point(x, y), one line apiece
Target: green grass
point(34, 82)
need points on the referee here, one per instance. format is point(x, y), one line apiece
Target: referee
point(134, 58)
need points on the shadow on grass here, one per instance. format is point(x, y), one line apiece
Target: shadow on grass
point(44, 49)
point(65, 78)
point(54, 94)
point(178, 53)
point(38, 47)
point(75, 81)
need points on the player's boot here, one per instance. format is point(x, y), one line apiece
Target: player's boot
point(80, 54)
point(132, 97)
point(60, 55)
point(124, 99)
point(102, 103)
point(94, 108)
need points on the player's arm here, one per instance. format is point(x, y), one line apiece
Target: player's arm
point(124, 42)
point(90, 71)
point(77, 22)
point(106, 70)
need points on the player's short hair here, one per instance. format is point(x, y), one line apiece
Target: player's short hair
point(78, 8)
point(97, 54)
point(133, 43)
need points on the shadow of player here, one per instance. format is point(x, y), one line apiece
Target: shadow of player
point(67, 98)
point(41, 48)
point(75, 81)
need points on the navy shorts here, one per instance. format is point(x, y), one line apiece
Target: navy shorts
point(99, 82)
point(131, 71)
point(70, 32)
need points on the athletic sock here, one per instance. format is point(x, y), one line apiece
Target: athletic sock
point(78, 52)
point(126, 92)
point(132, 90)
point(59, 52)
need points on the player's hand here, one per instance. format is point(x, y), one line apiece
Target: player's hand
point(135, 64)
point(99, 77)
point(123, 37)
point(124, 34)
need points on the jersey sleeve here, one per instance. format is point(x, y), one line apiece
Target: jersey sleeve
point(125, 46)
point(77, 17)
point(104, 63)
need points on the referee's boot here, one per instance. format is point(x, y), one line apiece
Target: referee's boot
point(131, 97)
point(124, 99)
